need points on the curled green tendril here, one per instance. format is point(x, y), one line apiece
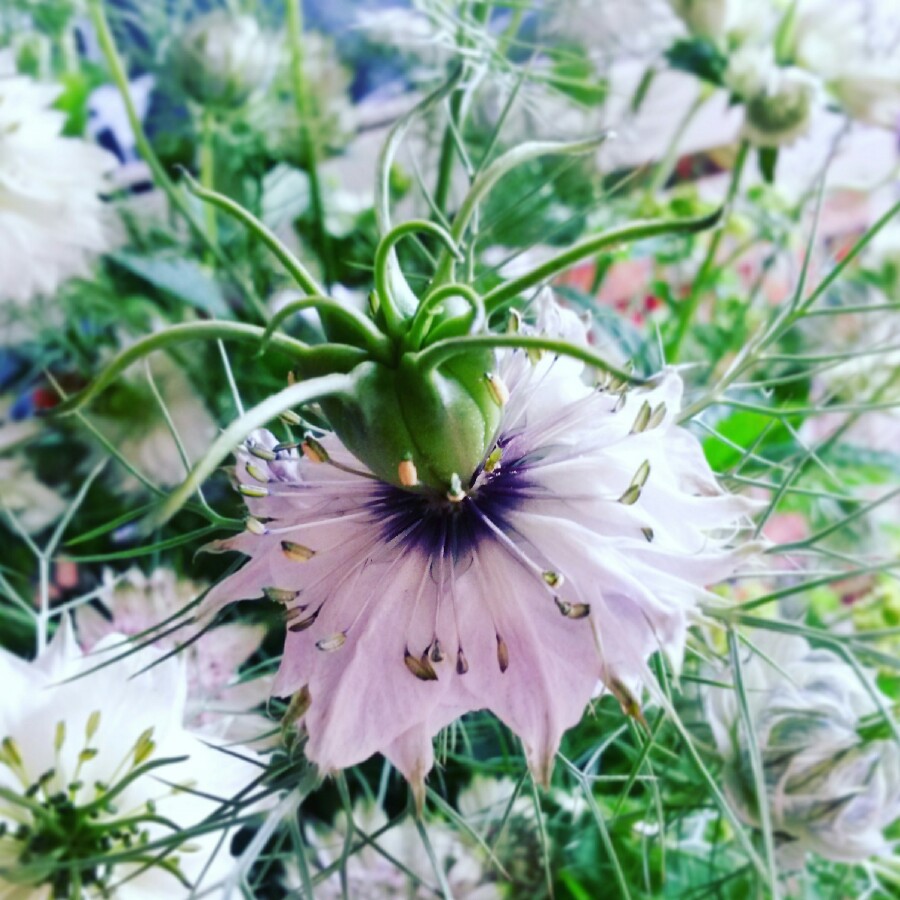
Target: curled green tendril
point(327, 357)
point(493, 173)
point(421, 322)
point(371, 339)
point(297, 270)
point(441, 351)
point(386, 268)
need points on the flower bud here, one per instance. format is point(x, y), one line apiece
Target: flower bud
point(221, 59)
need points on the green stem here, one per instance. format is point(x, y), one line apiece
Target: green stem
point(208, 171)
point(176, 198)
point(294, 395)
point(689, 308)
point(302, 99)
point(635, 231)
point(439, 352)
point(421, 321)
point(296, 269)
point(175, 334)
point(480, 15)
point(385, 256)
point(491, 175)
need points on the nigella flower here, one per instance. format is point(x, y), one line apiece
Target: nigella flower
point(51, 217)
point(94, 764)
point(218, 703)
point(578, 547)
point(831, 788)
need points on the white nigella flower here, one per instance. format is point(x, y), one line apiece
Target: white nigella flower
point(51, 217)
point(218, 703)
point(829, 790)
point(101, 766)
point(33, 504)
point(133, 420)
point(578, 547)
point(222, 59)
point(840, 44)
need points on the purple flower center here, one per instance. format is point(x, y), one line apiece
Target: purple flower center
point(433, 524)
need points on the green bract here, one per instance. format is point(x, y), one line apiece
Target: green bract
point(409, 388)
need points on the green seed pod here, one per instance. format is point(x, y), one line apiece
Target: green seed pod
point(443, 420)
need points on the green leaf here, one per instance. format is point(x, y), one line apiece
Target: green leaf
point(700, 57)
point(768, 159)
point(184, 279)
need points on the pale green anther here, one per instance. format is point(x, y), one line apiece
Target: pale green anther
point(553, 579)
point(659, 413)
point(642, 474)
point(642, 419)
point(514, 322)
point(256, 473)
point(60, 737)
point(279, 595)
point(291, 418)
point(456, 494)
point(493, 460)
point(648, 534)
point(498, 389)
point(143, 750)
point(630, 497)
point(93, 723)
point(252, 490)
point(9, 753)
point(262, 452)
point(286, 445)
point(87, 754)
point(254, 526)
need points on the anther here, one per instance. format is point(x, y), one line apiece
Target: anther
point(642, 419)
point(407, 474)
point(553, 579)
point(298, 706)
point(497, 388)
point(493, 460)
point(437, 652)
point(573, 610)
point(256, 473)
point(456, 494)
point(297, 552)
point(261, 452)
point(335, 642)
point(279, 595)
point(502, 654)
point(648, 534)
point(421, 668)
point(285, 445)
point(313, 450)
point(253, 490)
point(254, 526)
point(658, 415)
point(93, 723)
point(303, 624)
point(290, 417)
point(462, 664)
